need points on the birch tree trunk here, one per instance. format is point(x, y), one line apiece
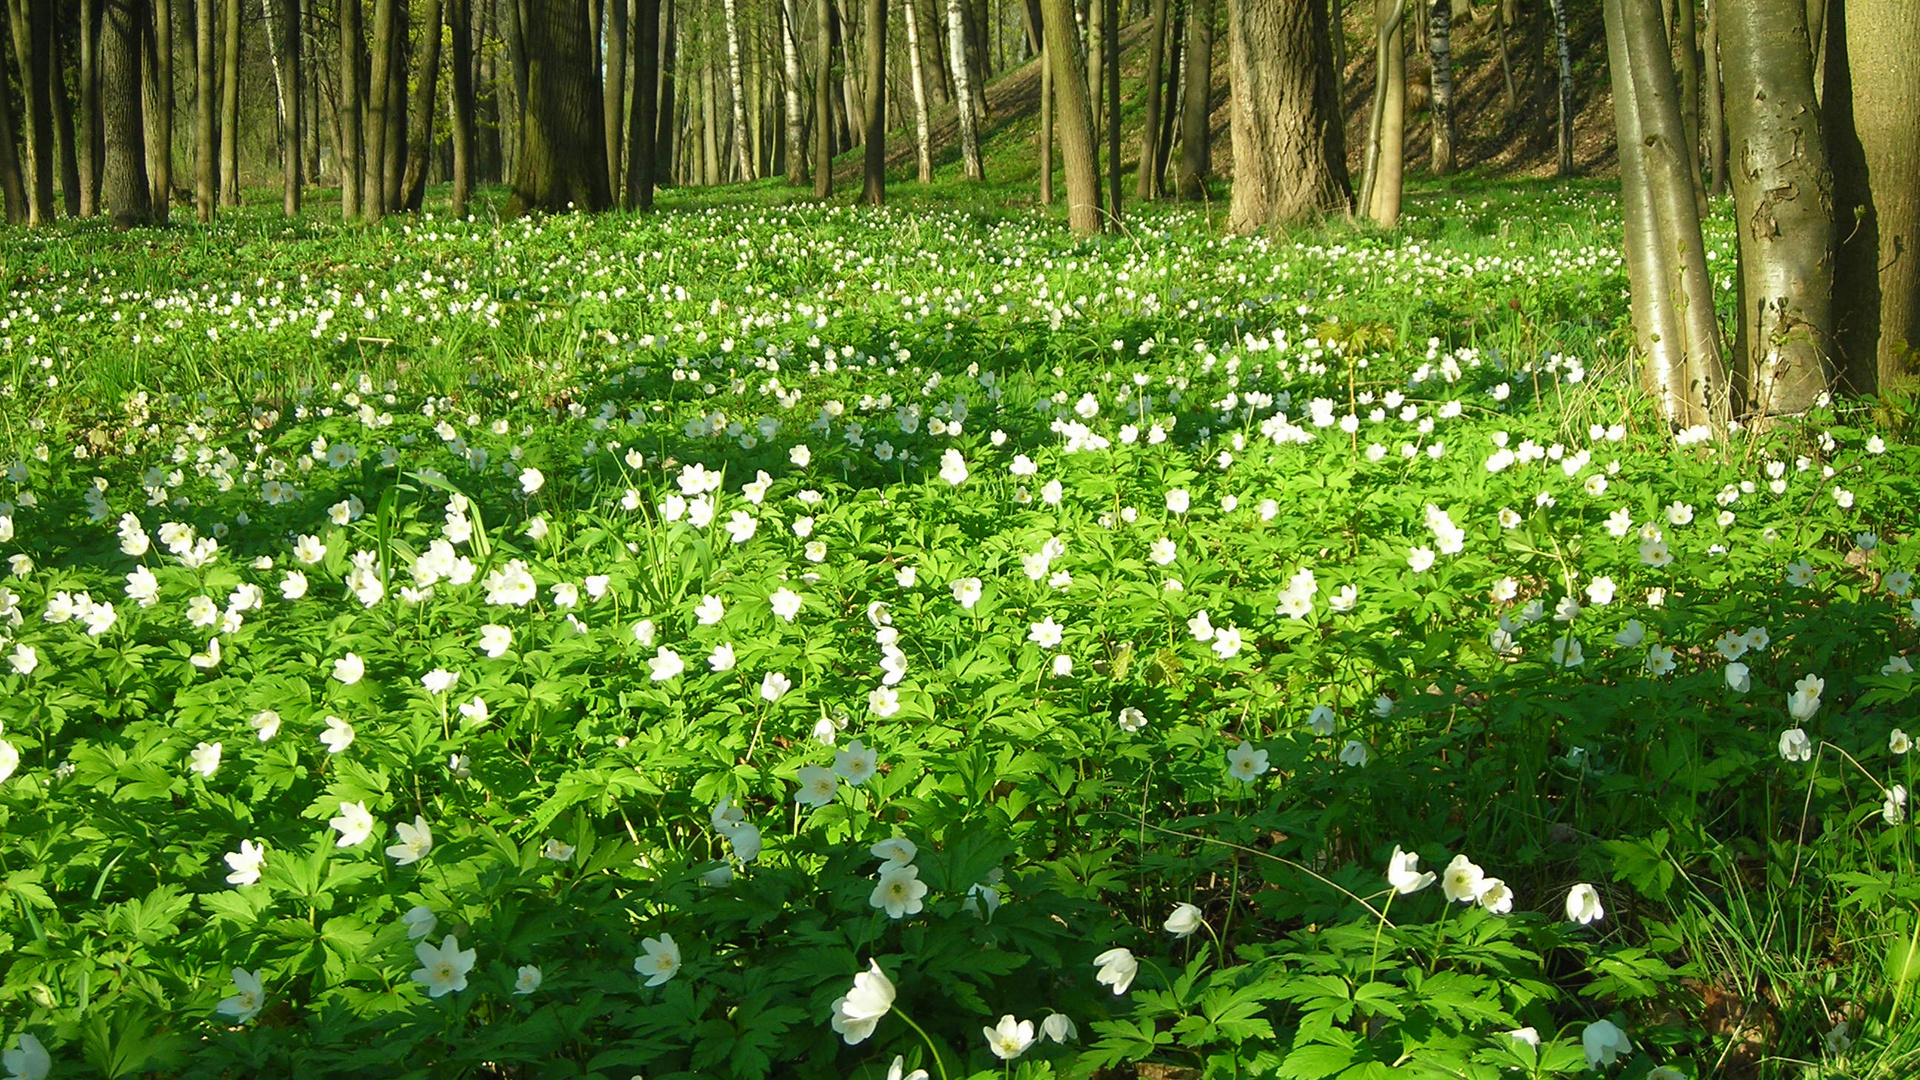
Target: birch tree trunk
point(1440, 63)
point(796, 111)
point(922, 150)
point(742, 147)
point(1563, 130)
point(963, 97)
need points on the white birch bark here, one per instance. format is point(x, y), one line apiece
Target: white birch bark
point(796, 118)
point(963, 91)
point(923, 151)
point(742, 148)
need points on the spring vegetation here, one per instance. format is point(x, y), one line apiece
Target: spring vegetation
point(630, 613)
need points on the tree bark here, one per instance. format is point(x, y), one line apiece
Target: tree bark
point(1096, 54)
point(420, 115)
point(64, 140)
point(88, 121)
point(157, 104)
point(461, 113)
point(124, 188)
point(564, 164)
point(873, 172)
point(283, 49)
point(922, 146)
point(229, 103)
point(1716, 114)
point(1872, 110)
point(1073, 119)
point(1197, 105)
point(1114, 171)
point(823, 102)
point(614, 100)
point(13, 188)
point(349, 113)
point(1387, 131)
point(373, 173)
point(1440, 63)
point(1783, 195)
point(394, 160)
point(205, 150)
point(642, 123)
point(1046, 125)
point(1563, 130)
point(737, 93)
point(1170, 98)
point(669, 60)
point(1289, 154)
point(963, 95)
point(797, 153)
point(1146, 180)
point(31, 21)
point(1686, 35)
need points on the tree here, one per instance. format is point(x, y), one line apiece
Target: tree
point(963, 93)
point(642, 156)
point(796, 113)
point(1387, 128)
point(352, 135)
point(1440, 63)
point(230, 104)
point(1146, 181)
point(205, 169)
point(1073, 118)
point(13, 188)
point(460, 31)
point(743, 163)
point(426, 88)
point(614, 100)
point(823, 102)
point(564, 162)
point(32, 24)
point(1197, 103)
point(159, 105)
point(873, 178)
point(373, 170)
point(283, 51)
point(89, 118)
point(922, 148)
point(1563, 130)
point(1289, 150)
point(124, 190)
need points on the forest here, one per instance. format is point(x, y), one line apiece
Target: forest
point(1096, 539)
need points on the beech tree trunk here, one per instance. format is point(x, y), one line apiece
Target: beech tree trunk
point(1197, 103)
point(283, 49)
point(230, 104)
point(643, 123)
point(206, 190)
point(1046, 125)
point(1440, 63)
point(64, 138)
point(1686, 41)
point(922, 145)
point(1387, 130)
point(1716, 118)
point(88, 122)
point(564, 163)
point(348, 115)
point(30, 21)
point(1096, 54)
point(157, 104)
point(373, 174)
point(413, 184)
point(873, 178)
point(1289, 152)
point(614, 100)
point(663, 135)
point(1872, 114)
point(1112, 68)
point(1073, 118)
point(461, 115)
point(13, 188)
point(1783, 192)
point(124, 189)
point(963, 93)
point(823, 84)
point(1146, 180)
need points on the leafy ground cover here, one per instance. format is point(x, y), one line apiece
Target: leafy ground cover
point(812, 642)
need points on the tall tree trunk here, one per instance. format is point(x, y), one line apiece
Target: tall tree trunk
point(206, 191)
point(393, 165)
point(31, 21)
point(737, 88)
point(565, 162)
point(1289, 155)
point(461, 115)
point(88, 122)
point(710, 140)
point(1563, 130)
point(373, 172)
point(1783, 192)
point(1716, 117)
point(663, 143)
point(1686, 35)
point(283, 50)
point(1170, 97)
point(1096, 54)
point(1440, 63)
point(823, 102)
point(13, 188)
point(873, 172)
point(310, 68)
point(1387, 133)
point(124, 189)
point(230, 104)
point(963, 96)
point(1047, 97)
point(1196, 106)
point(64, 140)
point(413, 186)
point(1112, 68)
point(157, 105)
point(922, 145)
point(616, 92)
point(641, 120)
point(1073, 119)
point(796, 108)
point(1872, 111)
point(1146, 181)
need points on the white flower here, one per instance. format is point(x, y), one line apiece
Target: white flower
point(1583, 904)
point(1059, 1027)
point(785, 603)
point(1420, 559)
point(1403, 872)
point(817, 785)
point(1185, 920)
point(530, 482)
point(439, 680)
point(30, 1061)
point(883, 701)
point(1795, 746)
point(1894, 810)
point(1354, 753)
point(1178, 500)
point(1117, 967)
point(860, 1010)
point(1654, 553)
point(709, 611)
point(899, 892)
point(855, 763)
point(1130, 719)
point(1604, 1043)
point(1630, 635)
point(1568, 653)
point(420, 921)
point(1800, 573)
point(248, 1000)
point(659, 959)
point(1320, 721)
point(1046, 633)
point(1344, 598)
point(1495, 896)
point(338, 736)
point(354, 824)
point(415, 841)
point(1679, 513)
point(1244, 762)
point(953, 467)
point(1660, 660)
point(1163, 552)
point(443, 970)
point(556, 850)
point(245, 863)
point(1739, 678)
point(1600, 590)
point(1805, 699)
point(527, 980)
point(1009, 1038)
point(1462, 881)
point(204, 759)
point(966, 592)
point(666, 664)
point(1898, 742)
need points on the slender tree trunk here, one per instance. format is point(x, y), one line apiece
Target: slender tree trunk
point(1783, 192)
point(1650, 297)
point(1501, 24)
point(461, 113)
point(1440, 63)
point(963, 96)
point(13, 188)
point(89, 119)
point(206, 191)
point(922, 147)
point(1387, 134)
point(64, 141)
point(310, 67)
point(642, 123)
point(564, 165)
point(1170, 98)
point(1716, 118)
point(124, 188)
point(742, 154)
point(1563, 131)
point(616, 92)
point(1146, 181)
point(1872, 113)
point(413, 185)
point(1289, 156)
point(1686, 42)
point(1074, 119)
point(873, 172)
point(1114, 172)
point(823, 102)
point(30, 21)
point(1096, 54)
point(1047, 97)
point(794, 90)
point(393, 162)
point(230, 104)
point(1196, 106)
point(157, 104)
point(283, 50)
point(710, 138)
point(663, 141)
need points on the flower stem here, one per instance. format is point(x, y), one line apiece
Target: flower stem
point(938, 1063)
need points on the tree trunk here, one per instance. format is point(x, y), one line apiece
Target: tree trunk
point(873, 171)
point(13, 189)
point(643, 121)
point(663, 142)
point(1096, 54)
point(230, 104)
point(157, 104)
point(797, 173)
point(1872, 110)
point(1289, 155)
point(1686, 34)
point(88, 122)
point(1440, 63)
point(1716, 117)
point(1170, 98)
point(393, 166)
point(1114, 171)
point(1387, 133)
point(1146, 180)
point(310, 68)
point(373, 173)
point(922, 146)
point(124, 189)
point(564, 164)
point(205, 150)
point(709, 92)
point(1563, 130)
point(737, 93)
point(615, 97)
point(1783, 192)
point(461, 114)
point(283, 50)
point(64, 140)
point(823, 102)
point(413, 185)
point(1046, 124)
point(963, 96)
point(1073, 119)
point(31, 21)
point(347, 115)
point(1196, 106)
